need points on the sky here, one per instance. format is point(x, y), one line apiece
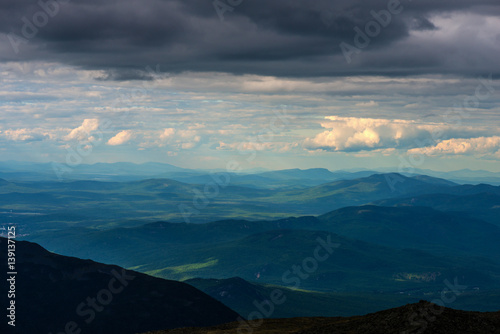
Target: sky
point(274, 84)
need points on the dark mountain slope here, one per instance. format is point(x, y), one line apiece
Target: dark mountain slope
point(53, 291)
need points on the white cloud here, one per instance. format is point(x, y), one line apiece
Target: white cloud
point(188, 134)
point(26, 135)
point(187, 146)
point(121, 138)
point(167, 133)
point(355, 134)
point(83, 132)
point(185, 139)
point(463, 146)
point(229, 108)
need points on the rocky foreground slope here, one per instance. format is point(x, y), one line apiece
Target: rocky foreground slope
point(422, 317)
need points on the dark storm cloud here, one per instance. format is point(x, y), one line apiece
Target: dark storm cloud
point(279, 37)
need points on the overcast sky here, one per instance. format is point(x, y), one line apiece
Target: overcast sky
point(275, 84)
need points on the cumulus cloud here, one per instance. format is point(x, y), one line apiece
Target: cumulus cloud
point(120, 138)
point(25, 135)
point(167, 133)
point(352, 134)
point(355, 134)
point(83, 132)
point(463, 146)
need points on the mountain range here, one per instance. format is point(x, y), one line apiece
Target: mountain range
point(343, 243)
point(257, 177)
point(374, 248)
point(106, 204)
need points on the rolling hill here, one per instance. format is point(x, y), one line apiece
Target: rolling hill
point(110, 204)
point(263, 253)
point(416, 227)
point(422, 228)
point(483, 205)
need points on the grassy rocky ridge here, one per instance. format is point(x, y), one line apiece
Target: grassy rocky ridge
point(422, 317)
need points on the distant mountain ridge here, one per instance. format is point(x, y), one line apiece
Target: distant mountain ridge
point(165, 199)
point(128, 171)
